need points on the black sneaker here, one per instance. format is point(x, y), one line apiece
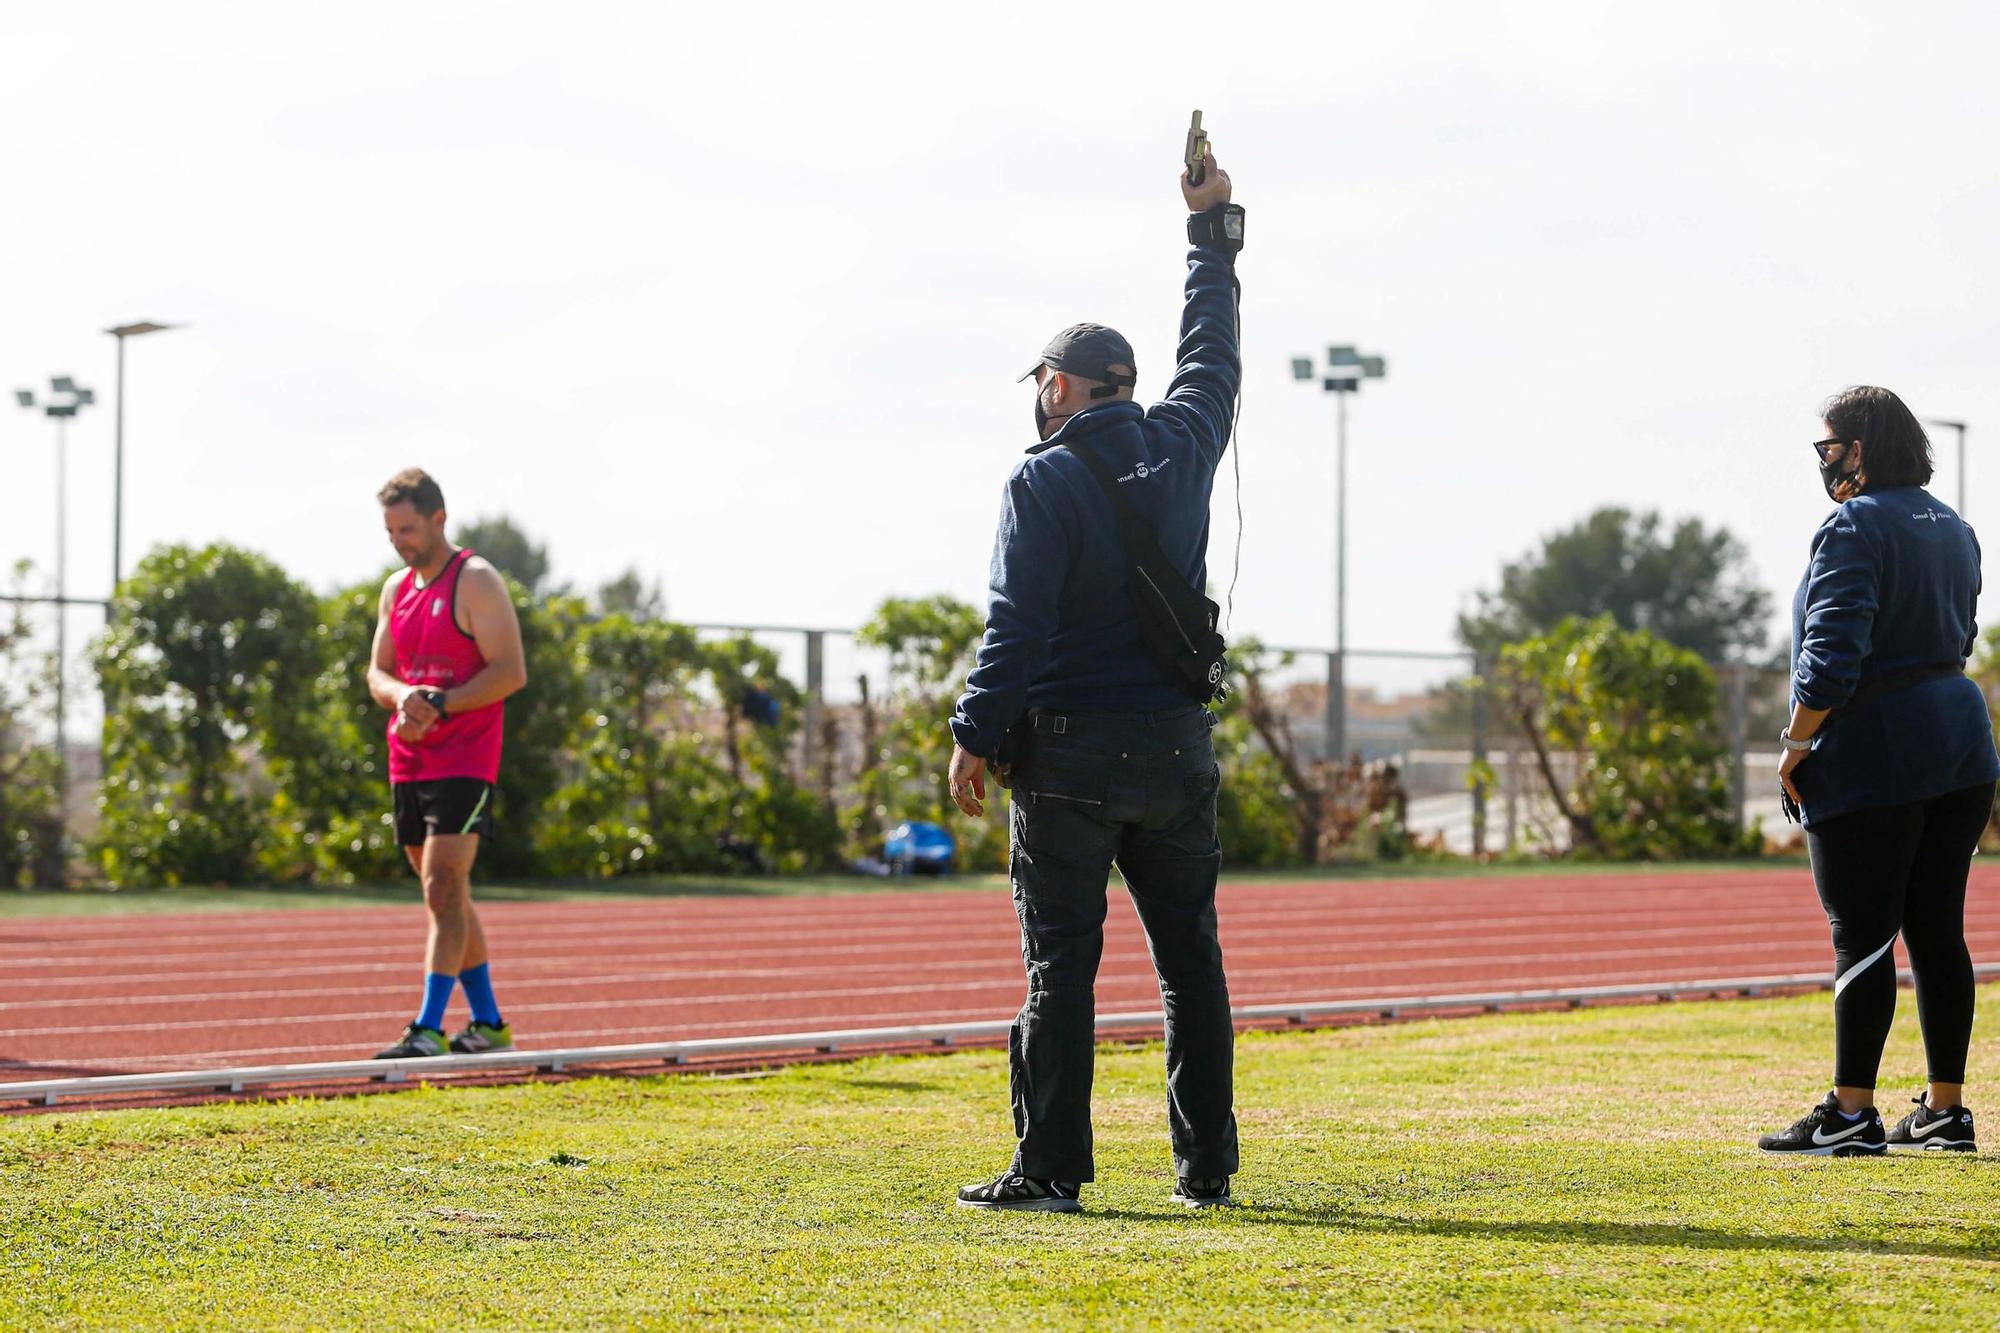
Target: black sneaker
point(417, 1040)
point(1023, 1194)
point(1203, 1193)
point(1826, 1132)
point(1925, 1130)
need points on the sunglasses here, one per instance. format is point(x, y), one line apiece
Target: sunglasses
point(1822, 447)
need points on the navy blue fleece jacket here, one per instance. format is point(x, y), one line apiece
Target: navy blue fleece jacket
point(1061, 631)
point(1893, 584)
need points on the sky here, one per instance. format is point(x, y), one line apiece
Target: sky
point(736, 295)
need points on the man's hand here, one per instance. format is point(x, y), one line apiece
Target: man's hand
point(967, 781)
point(1213, 192)
point(413, 706)
point(409, 730)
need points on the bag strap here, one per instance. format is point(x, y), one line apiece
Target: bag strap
point(1129, 519)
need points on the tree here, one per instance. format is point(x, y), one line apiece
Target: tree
point(1622, 725)
point(213, 656)
point(649, 795)
point(1329, 809)
point(674, 776)
point(773, 816)
point(541, 719)
point(1259, 817)
point(931, 642)
point(630, 595)
point(1691, 587)
point(334, 817)
point(507, 548)
point(30, 841)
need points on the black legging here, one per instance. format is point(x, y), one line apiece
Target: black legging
point(1891, 868)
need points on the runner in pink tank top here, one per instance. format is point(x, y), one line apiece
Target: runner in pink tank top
point(433, 651)
point(447, 654)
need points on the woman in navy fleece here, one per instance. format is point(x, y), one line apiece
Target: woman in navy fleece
point(1890, 758)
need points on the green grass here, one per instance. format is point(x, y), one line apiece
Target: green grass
point(1583, 1170)
point(197, 898)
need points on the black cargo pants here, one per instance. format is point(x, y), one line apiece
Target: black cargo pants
point(1137, 790)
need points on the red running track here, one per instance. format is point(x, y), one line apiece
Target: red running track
point(126, 994)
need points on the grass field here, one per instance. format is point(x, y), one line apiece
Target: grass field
point(196, 897)
point(1574, 1170)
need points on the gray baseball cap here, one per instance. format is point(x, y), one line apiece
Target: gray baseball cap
point(1092, 351)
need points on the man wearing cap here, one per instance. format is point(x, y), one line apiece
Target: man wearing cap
point(1109, 758)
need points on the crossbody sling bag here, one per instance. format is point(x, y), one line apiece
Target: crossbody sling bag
point(1177, 623)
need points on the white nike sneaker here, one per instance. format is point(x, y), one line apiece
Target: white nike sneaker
point(1826, 1132)
point(1925, 1130)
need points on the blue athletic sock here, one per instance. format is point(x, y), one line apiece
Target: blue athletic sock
point(437, 994)
point(478, 983)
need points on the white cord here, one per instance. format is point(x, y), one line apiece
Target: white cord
point(1236, 450)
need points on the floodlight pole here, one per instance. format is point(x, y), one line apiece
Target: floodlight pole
point(65, 401)
point(1345, 370)
point(1336, 676)
point(121, 333)
point(117, 473)
point(62, 630)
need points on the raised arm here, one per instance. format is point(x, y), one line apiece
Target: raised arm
point(1206, 366)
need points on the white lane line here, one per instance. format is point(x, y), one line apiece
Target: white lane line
point(671, 969)
point(543, 969)
point(1382, 908)
point(1516, 970)
point(1235, 934)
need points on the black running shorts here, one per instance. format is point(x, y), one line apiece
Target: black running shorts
point(445, 808)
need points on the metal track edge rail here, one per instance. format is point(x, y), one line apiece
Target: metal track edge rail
point(49, 1092)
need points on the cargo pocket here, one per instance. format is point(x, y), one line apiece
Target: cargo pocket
point(1197, 785)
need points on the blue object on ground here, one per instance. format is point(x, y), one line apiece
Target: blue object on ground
point(920, 847)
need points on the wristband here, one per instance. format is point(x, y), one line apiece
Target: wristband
point(1221, 227)
point(1786, 739)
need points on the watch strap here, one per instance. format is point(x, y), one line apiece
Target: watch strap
point(1221, 227)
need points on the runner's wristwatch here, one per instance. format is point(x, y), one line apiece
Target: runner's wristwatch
point(435, 698)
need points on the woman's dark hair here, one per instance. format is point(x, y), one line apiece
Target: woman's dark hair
point(1894, 449)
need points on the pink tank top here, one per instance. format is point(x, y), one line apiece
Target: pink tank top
point(431, 650)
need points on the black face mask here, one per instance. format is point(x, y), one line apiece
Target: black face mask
point(1830, 476)
point(1042, 417)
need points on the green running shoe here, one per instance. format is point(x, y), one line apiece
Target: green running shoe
point(478, 1038)
point(417, 1040)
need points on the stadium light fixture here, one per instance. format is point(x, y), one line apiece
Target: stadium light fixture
point(121, 332)
point(1346, 369)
